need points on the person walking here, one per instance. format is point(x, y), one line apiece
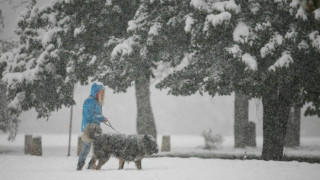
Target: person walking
point(91, 113)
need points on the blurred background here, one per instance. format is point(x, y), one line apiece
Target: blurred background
point(173, 115)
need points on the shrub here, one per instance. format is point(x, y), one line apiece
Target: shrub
point(212, 141)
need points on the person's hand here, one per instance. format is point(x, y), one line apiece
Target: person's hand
point(105, 120)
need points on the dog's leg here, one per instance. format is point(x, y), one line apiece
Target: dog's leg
point(92, 163)
point(102, 162)
point(121, 163)
point(138, 164)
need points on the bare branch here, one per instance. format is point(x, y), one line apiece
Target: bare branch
point(1, 19)
point(21, 3)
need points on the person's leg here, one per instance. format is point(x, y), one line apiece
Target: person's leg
point(85, 149)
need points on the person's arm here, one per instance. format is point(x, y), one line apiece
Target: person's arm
point(98, 118)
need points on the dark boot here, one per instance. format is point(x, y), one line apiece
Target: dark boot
point(80, 166)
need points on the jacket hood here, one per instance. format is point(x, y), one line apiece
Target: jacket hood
point(95, 88)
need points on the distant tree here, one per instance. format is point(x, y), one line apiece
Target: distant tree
point(252, 51)
point(8, 122)
point(13, 4)
point(293, 129)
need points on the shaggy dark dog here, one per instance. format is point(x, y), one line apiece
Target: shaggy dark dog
point(125, 147)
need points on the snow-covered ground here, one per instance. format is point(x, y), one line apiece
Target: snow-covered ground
point(59, 168)
point(54, 164)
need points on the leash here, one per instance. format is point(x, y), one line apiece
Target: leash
point(109, 125)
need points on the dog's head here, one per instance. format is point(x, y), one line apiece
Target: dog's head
point(150, 144)
point(93, 131)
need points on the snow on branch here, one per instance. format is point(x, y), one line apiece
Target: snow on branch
point(317, 14)
point(189, 22)
point(262, 26)
point(235, 51)
point(315, 39)
point(229, 5)
point(164, 69)
point(250, 61)
point(303, 45)
point(7, 56)
point(108, 2)
point(215, 20)
point(47, 36)
point(199, 4)
point(23, 67)
point(51, 18)
point(255, 7)
point(283, 61)
point(212, 5)
point(15, 103)
point(28, 75)
point(241, 33)
point(301, 14)
point(276, 40)
point(294, 3)
point(291, 35)
point(93, 60)
point(185, 61)
point(124, 48)
point(139, 20)
point(78, 30)
point(154, 29)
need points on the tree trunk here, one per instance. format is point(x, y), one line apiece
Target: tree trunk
point(145, 119)
point(293, 130)
point(4, 115)
point(241, 108)
point(251, 134)
point(276, 108)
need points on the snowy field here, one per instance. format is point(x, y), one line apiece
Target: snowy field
point(59, 168)
point(54, 164)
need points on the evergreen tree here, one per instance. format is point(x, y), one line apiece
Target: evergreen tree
point(280, 57)
point(60, 44)
point(266, 49)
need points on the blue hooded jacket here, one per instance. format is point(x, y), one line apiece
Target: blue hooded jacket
point(92, 111)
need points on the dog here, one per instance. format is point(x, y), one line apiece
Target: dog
point(124, 147)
